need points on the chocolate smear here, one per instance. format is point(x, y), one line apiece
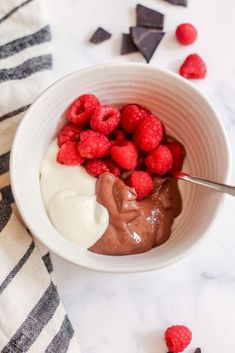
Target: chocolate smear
point(136, 226)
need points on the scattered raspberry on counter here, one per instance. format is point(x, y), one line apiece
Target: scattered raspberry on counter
point(193, 67)
point(177, 338)
point(186, 33)
point(142, 182)
point(81, 110)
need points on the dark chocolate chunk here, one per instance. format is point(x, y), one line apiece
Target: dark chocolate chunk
point(198, 350)
point(178, 2)
point(149, 18)
point(146, 40)
point(128, 46)
point(100, 36)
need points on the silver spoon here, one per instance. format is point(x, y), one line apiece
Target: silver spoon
point(227, 189)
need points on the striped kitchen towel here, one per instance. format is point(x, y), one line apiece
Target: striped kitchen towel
point(32, 318)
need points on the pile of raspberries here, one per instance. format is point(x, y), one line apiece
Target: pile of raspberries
point(131, 143)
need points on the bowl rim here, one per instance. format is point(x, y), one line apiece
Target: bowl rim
point(101, 267)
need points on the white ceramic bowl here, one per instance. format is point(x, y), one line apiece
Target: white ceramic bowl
point(187, 115)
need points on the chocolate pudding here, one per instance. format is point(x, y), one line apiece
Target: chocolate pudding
point(136, 226)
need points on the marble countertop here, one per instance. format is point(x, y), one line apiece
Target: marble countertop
point(128, 313)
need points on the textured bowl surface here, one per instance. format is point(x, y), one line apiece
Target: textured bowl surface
point(187, 115)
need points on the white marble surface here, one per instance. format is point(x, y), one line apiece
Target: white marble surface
point(128, 313)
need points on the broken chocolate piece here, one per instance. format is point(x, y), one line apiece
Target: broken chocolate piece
point(178, 2)
point(128, 46)
point(146, 40)
point(198, 350)
point(100, 36)
point(149, 18)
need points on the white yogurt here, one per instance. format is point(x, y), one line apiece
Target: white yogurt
point(69, 198)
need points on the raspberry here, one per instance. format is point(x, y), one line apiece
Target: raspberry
point(95, 167)
point(96, 146)
point(118, 136)
point(81, 110)
point(193, 67)
point(89, 133)
point(113, 167)
point(131, 114)
point(178, 153)
point(177, 338)
point(69, 132)
point(159, 161)
point(125, 155)
point(142, 182)
point(68, 154)
point(105, 119)
point(186, 33)
point(148, 133)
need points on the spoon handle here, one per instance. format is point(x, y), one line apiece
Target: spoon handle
point(228, 189)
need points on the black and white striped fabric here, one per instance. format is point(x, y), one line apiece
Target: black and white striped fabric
point(32, 318)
